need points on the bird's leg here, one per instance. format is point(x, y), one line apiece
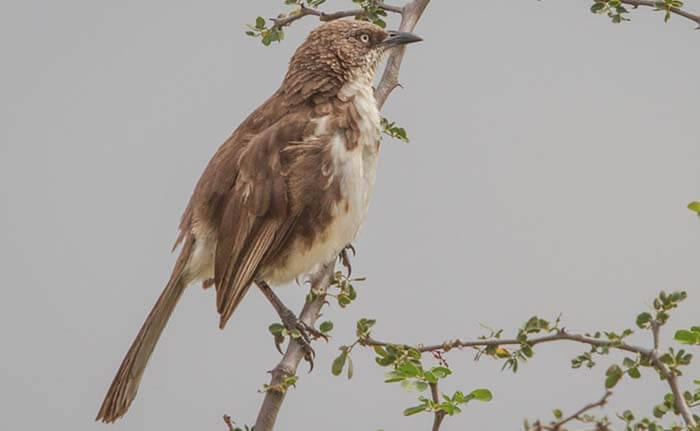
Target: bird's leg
point(290, 321)
point(344, 257)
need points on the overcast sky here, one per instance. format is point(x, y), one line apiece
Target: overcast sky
point(552, 156)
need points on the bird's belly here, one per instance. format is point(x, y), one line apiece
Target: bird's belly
point(357, 171)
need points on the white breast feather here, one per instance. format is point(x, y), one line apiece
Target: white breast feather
point(357, 172)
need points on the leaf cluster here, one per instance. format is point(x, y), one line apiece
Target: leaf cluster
point(372, 12)
point(449, 404)
point(391, 129)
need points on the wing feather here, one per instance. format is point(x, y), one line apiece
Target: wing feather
point(257, 215)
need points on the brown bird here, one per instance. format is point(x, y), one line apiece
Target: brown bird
point(287, 191)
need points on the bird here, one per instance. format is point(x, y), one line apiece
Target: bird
point(287, 191)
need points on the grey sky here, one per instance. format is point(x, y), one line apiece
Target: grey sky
point(552, 157)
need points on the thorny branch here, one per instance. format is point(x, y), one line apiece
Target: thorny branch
point(562, 335)
point(410, 14)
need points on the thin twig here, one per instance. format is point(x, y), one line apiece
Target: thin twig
point(600, 403)
point(560, 335)
point(439, 414)
point(661, 5)
point(323, 16)
point(655, 327)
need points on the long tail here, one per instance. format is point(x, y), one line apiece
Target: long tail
point(126, 383)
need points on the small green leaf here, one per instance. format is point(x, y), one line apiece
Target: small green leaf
point(409, 369)
point(614, 374)
point(440, 372)
point(275, 328)
point(557, 414)
point(351, 370)
point(339, 363)
point(634, 373)
point(421, 386)
point(260, 23)
point(597, 7)
point(694, 206)
point(413, 410)
point(326, 326)
point(643, 320)
point(481, 394)
point(394, 376)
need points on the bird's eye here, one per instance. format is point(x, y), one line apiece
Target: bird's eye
point(364, 38)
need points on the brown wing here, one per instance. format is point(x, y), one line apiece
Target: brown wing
point(256, 212)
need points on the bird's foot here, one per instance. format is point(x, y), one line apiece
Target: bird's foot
point(344, 257)
point(302, 333)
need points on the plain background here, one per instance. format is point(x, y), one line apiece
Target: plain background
point(552, 158)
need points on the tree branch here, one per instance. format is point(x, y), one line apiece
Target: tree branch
point(323, 16)
point(410, 14)
point(439, 414)
point(557, 426)
point(561, 335)
point(678, 399)
point(287, 367)
point(661, 5)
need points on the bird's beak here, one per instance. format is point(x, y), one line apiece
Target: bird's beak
point(396, 38)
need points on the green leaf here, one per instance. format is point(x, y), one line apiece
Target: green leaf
point(351, 370)
point(409, 369)
point(326, 326)
point(557, 414)
point(481, 394)
point(694, 206)
point(440, 372)
point(614, 374)
point(430, 377)
point(275, 328)
point(421, 386)
point(634, 373)
point(660, 410)
point(394, 376)
point(339, 363)
point(687, 337)
point(597, 7)
point(344, 300)
point(260, 23)
point(413, 410)
point(666, 359)
point(643, 320)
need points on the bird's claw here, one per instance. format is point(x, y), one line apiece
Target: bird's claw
point(306, 332)
point(344, 257)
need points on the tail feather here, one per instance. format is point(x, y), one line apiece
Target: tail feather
point(125, 384)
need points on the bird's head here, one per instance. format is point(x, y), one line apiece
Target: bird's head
point(336, 53)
